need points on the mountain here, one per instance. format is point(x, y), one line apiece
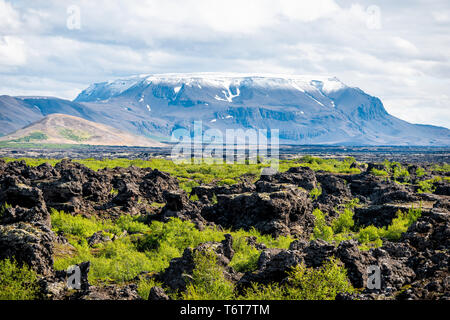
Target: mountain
point(65, 129)
point(306, 109)
point(17, 112)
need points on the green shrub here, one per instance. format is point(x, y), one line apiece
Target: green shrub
point(227, 181)
point(208, 282)
point(246, 257)
point(420, 172)
point(145, 285)
point(401, 223)
point(78, 225)
point(3, 209)
point(400, 173)
point(323, 283)
point(194, 197)
point(17, 283)
point(344, 223)
point(379, 173)
point(131, 224)
point(368, 234)
point(272, 291)
point(315, 193)
point(321, 229)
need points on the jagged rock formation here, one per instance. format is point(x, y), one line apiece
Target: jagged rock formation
point(414, 267)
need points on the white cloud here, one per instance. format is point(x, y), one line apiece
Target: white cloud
point(9, 18)
point(396, 52)
point(12, 52)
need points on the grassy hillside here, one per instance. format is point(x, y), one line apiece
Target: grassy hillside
point(58, 129)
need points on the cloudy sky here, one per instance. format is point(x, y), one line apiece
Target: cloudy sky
point(398, 51)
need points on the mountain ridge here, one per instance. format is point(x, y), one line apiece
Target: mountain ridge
point(306, 109)
point(66, 129)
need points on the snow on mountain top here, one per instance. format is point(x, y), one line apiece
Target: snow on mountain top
point(303, 83)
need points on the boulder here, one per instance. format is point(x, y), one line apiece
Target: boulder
point(29, 244)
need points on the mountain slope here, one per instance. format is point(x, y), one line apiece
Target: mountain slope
point(65, 129)
point(17, 112)
point(306, 109)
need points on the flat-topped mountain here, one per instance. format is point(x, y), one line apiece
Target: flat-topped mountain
point(65, 129)
point(305, 109)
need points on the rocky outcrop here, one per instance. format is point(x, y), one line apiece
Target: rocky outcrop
point(177, 275)
point(29, 244)
point(158, 294)
point(72, 187)
point(299, 176)
point(284, 212)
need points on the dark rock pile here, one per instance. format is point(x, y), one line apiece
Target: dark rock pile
point(415, 267)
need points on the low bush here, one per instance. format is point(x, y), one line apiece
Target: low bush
point(323, 283)
point(208, 282)
point(17, 282)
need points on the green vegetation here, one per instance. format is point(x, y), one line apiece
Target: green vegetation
point(157, 205)
point(427, 186)
point(393, 170)
point(34, 136)
point(442, 168)
point(194, 198)
point(420, 172)
point(3, 208)
point(43, 146)
point(145, 285)
point(400, 174)
point(343, 228)
point(16, 282)
point(144, 248)
point(208, 282)
point(315, 193)
point(140, 247)
point(320, 164)
point(74, 135)
point(379, 173)
point(323, 283)
point(114, 192)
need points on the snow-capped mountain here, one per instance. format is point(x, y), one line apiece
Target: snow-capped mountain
point(306, 109)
